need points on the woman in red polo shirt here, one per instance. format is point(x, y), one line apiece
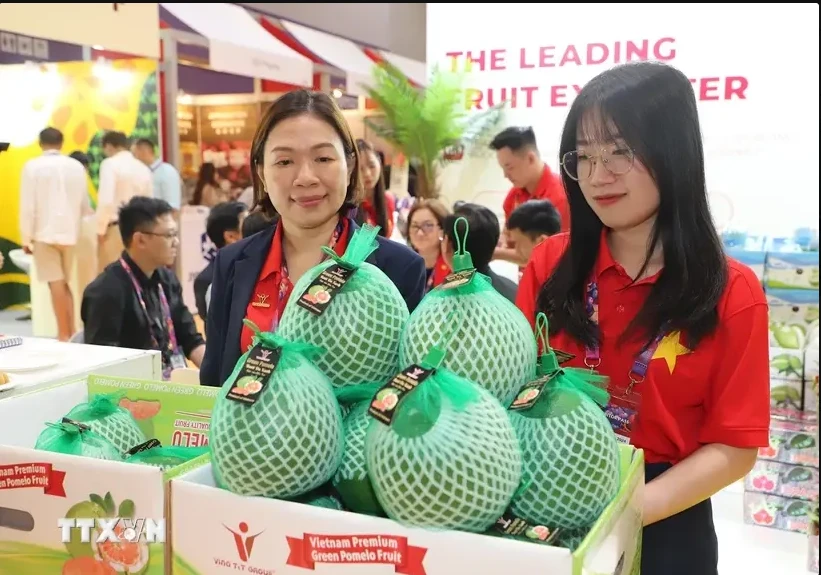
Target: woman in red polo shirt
point(378, 206)
point(641, 290)
point(306, 174)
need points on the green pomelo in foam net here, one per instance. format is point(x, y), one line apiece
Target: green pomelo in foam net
point(450, 459)
point(493, 344)
point(287, 443)
point(351, 480)
point(166, 457)
point(360, 329)
point(103, 414)
point(75, 439)
point(570, 453)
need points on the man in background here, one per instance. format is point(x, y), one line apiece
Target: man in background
point(136, 298)
point(482, 238)
point(53, 201)
point(166, 178)
point(530, 224)
point(122, 177)
point(519, 158)
point(223, 227)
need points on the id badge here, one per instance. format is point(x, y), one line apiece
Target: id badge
point(621, 412)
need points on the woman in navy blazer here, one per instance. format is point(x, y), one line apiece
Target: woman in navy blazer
point(305, 167)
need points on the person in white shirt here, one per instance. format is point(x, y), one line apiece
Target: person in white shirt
point(122, 176)
point(53, 201)
point(167, 181)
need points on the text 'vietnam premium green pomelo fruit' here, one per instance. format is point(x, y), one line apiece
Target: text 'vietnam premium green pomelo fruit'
point(359, 324)
point(278, 435)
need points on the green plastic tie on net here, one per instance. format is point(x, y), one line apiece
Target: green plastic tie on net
point(362, 245)
point(461, 257)
point(273, 341)
point(351, 394)
point(436, 355)
point(106, 403)
point(581, 380)
point(548, 362)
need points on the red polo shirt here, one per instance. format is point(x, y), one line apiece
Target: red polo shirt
point(550, 187)
point(440, 271)
point(267, 289)
point(718, 393)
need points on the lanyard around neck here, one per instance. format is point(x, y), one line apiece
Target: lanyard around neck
point(165, 311)
point(592, 357)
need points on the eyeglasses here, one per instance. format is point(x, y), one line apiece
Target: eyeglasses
point(169, 235)
point(425, 228)
point(579, 166)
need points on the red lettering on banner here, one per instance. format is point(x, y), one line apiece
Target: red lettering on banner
point(37, 475)
point(356, 549)
point(516, 97)
point(714, 88)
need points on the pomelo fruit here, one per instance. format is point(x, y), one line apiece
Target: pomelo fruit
point(87, 566)
point(82, 510)
point(123, 556)
point(351, 480)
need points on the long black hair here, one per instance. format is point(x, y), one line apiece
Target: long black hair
point(652, 107)
point(380, 204)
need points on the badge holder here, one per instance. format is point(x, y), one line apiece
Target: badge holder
point(622, 409)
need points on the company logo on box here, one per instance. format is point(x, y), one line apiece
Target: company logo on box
point(113, 529)
point(245, 545)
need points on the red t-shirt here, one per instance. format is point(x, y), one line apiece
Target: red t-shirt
point(269, 303)
point(550, 187)
point(719, 393)
point(440, 271)
point(370, 212)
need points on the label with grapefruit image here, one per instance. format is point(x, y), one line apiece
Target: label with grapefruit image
point(175, 414)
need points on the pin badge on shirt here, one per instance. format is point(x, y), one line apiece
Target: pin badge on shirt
point(262, 301)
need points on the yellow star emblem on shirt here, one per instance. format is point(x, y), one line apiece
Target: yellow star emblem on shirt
point(670, 349)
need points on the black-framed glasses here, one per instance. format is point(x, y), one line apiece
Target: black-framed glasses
point(579, 166)
point(425, 228)
point(169, 235)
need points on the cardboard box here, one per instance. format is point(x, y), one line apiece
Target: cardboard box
point(786, 395)
point(786, 364)
point(38, 487)
point(791, 481)
point(791, 441)
point(755, 260)
point(777, 512)
point(793, 317)
point(267, 536)
point(797, 270)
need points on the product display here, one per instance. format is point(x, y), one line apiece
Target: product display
point(352, 310)
point(441, 452)
point(276, 427)
point(571, 456)
point(103, 414)
point(73, 438)
point(493, 344)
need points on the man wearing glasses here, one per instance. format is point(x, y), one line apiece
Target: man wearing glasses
point(532, 179)
point(137, 301)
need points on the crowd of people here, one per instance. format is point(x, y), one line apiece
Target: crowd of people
point(618, 250)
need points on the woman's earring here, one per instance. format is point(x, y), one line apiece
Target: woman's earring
point(441, 238)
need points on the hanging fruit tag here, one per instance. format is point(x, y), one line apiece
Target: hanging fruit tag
point(509, 524)
point(77, 424)
point(458, 279)
point(529, 394)
point(254, 374)
point(562, 356)
point(144, 446)
point(324, 288)
point(386, 400)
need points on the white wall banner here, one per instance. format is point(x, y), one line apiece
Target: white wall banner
point(196, 250)
point(755, 78)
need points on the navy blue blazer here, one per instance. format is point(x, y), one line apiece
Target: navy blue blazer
point(236, 269)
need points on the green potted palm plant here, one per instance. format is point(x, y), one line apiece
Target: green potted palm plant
point(430, 126)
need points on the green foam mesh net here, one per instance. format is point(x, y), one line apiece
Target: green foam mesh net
point(360, 328)
point(571, 456)
point(287, 443)
point(166, 457)
point(351, 480)
point(493, 344)
point(103, 414)
point(76, 439)
point(450, 458)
